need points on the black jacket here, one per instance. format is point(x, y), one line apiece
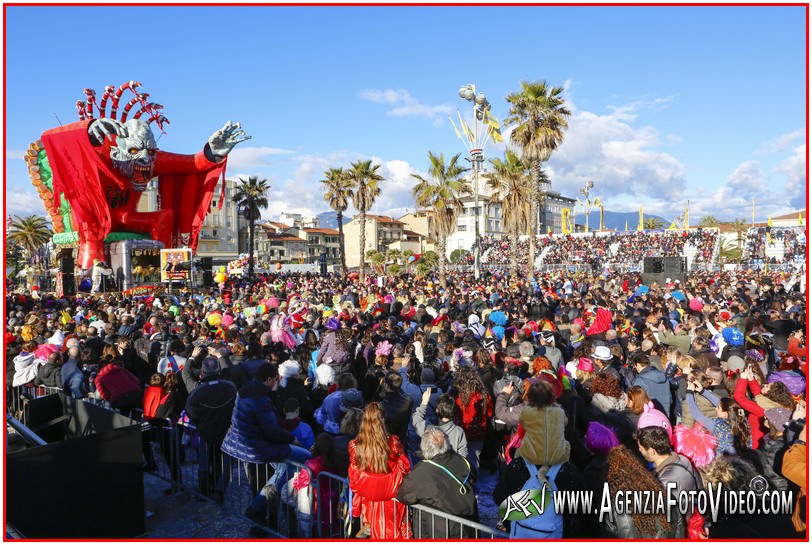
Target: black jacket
point(397, 412)
point(429, 485)
point(209, 407)
point(49, 375)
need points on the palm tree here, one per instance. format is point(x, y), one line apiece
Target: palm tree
point(739, 227)
point(337, 192)
point(440, 196)
point(708, 221)
point(508, 182)
point(539, 118)
point(250, 196)
point(365, 178)
point(29, 232)
point(652, 224)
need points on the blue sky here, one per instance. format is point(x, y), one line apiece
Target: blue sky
point(669, 103)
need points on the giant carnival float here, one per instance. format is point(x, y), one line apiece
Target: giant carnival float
point(91, 175)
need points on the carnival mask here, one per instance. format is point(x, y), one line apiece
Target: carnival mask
point(134, 155)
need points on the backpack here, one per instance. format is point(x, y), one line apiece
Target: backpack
point(546, 524)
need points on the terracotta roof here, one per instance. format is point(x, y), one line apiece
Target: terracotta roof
point(321, 230)
point(384, 219)
point(412, 233)
point(791, 216)
point(286, 239)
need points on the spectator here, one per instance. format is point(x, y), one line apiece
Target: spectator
point(444, 480)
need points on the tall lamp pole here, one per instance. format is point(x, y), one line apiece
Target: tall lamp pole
point(485, 126)
point(587, 203)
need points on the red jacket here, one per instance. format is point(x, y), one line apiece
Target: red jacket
point(755, 413)
point(113, 381)
point(474, 417)
point(152, 400)
point(374, 494)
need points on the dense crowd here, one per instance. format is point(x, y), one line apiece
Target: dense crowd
point(413, 390)
point(628, 248)
point(758, 240)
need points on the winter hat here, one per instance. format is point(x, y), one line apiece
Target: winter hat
point(325, 375)
point(735, 363)
point(489, 343)
point(351, 399)
point(600, 439)
point(653, 417)
point(778, 417)
point(288, 369)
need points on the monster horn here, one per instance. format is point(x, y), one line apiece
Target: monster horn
point(151, 108)
point(108, 92)
point(137, 98)
point(159, 120)
point(80, 108)
point(131, 85)
point(91, 100)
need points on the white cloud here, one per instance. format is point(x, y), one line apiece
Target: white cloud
point(14, 154)
point(249, 158)
point(403, 104)
point(747, 178)
point(794, 168)
point(23, 203)
point(624, 161)
point(781, 143)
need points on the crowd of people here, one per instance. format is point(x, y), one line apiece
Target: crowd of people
point(627, 248)
point(414, 390)
point(758, 240)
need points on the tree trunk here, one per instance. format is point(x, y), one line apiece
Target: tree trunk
point(250, 249)
point(340, 217)
point(534, 221)
point(514, 255)
point(441, 242)
point(362, 275)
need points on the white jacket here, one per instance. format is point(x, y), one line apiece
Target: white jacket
point(26, 367)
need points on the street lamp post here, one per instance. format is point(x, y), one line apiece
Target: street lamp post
point(485, 125)
point(587, 203)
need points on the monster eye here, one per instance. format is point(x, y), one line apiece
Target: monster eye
point(151, 152)
point(133, 151)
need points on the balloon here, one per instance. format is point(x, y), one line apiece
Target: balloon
point(220, 277)
point(214, 319)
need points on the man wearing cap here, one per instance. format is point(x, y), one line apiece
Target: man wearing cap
point(209, 408)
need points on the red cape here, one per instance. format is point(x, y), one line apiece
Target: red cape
point(80, 172)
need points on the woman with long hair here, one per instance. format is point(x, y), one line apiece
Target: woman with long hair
point(475, 409)
point(626, 473)
point(378, 464)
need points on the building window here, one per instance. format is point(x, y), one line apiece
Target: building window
point(462, 227)
point(214, 233)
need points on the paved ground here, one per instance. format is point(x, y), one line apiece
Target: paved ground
point(185, 515)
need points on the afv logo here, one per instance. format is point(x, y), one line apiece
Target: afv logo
point(525, 504)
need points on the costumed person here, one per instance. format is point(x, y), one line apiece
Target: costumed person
point(100, 270)
point(102, 165)
point(378, 465)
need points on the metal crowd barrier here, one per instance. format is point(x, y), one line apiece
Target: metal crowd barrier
point(17, 398)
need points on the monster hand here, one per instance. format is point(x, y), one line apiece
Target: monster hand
point(103, 129)
point(223, 141)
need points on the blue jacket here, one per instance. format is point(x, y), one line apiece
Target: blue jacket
point(656, 385)
point(255, 434)
point(73, 380)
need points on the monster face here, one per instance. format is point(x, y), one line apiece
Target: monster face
point(134, 155)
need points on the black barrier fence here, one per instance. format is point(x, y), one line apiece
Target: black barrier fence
point(107, 453)
point(87, 482)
